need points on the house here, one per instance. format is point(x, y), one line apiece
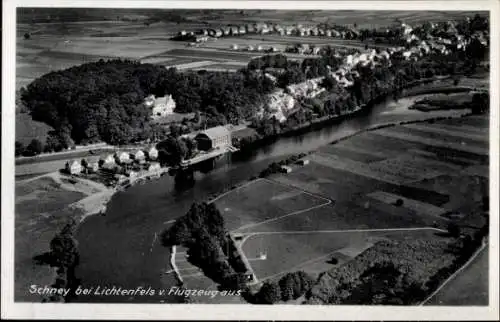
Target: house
point(152, 153)
point(303, 162)
point(226, 31)
point(73, 167)
point(285, 169)
point(107, 160)
point(120, 178)
point(92, 167)
point(122, 157)
point(213, 138)
point(132, 175)
point(242, 30)
point(212, 33)
point(161, 106)
point(138, 155)
point(201, 38)
point(250, 28)
point(154, 167)
point(234, 31)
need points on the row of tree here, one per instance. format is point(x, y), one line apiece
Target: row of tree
point(290, 287)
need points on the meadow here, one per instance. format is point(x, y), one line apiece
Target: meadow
point(378, 187)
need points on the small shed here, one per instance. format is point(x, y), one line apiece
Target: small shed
point(285, 169)
point(303, 162)
point(213, 138)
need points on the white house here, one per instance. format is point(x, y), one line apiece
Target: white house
point(122, 157)
point(74, 167)
point(154, 167)
point(138, 155)
point(152, 153)
point(108, 159)
point(160, 106)
point(92, 167)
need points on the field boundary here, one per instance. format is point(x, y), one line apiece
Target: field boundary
point(452, 276)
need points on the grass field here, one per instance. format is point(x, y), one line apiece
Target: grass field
point(41, 211)
point(43, 205)
point(263, 200)
point(27, 129)
point(364, 177)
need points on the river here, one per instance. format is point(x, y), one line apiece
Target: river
point(122, 248)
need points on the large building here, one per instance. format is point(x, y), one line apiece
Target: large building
point(160, 106)
point(213, 138)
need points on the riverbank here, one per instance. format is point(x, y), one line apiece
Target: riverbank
point(253, 141)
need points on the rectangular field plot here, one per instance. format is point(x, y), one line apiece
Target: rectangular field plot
point(352, 154)
point(286, 252)
point(313, 251)
point(263, 200)
point(216, 54)
point(371, 145)
point(438, 143)
point(464, 191)
point(420, 208)
point(359, 169)
point(459, 133)
point(321, 177)
point(362, 214)
point(441, 136)
point(413, 168)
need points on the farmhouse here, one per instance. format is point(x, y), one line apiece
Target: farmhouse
point(213, 138)
point(73, 167)
point(108, 159)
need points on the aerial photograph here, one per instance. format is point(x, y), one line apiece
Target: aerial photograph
point(235, 156)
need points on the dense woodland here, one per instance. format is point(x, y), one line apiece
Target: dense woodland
point(202, 231)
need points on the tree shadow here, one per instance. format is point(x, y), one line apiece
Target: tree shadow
point(46, 258)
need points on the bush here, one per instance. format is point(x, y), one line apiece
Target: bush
point(269, 293)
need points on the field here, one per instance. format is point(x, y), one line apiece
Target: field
point(347, 197)
point(43, 206)
point(27, 129)
point(469, 287)
point(73, 38)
